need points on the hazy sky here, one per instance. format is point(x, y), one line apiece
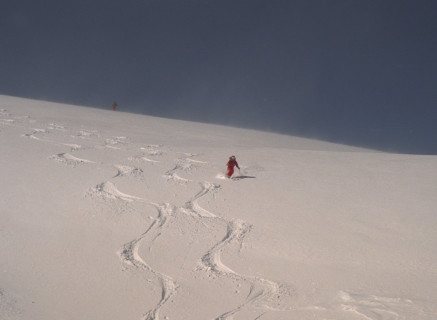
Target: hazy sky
point(358, 72)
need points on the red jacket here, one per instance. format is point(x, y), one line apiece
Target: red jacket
point(232, 163)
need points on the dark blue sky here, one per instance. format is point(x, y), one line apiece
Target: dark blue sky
point(356, 72)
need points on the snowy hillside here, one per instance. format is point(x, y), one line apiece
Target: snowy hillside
point(110, 215)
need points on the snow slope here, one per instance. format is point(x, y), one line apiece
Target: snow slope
point(109, 215)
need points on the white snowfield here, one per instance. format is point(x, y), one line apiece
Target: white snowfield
point(109, 215)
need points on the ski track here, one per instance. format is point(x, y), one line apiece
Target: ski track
point(130, 255)
point(37, 132)
point(69, 159)
point(143, 158)
point(152, 150)
point(8, 119)
point(192, 206)
point(372, 307)
point(127, 171)
point(73, 146)
point(115, 142)
point(184, 164)
point(34, 134)
point(87, 134)
point(264, 295)
point(56, 126)
point(108, 192)
point(171, 175)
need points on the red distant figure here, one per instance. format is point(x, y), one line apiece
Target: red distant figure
point(114, 105)
point(231, 164)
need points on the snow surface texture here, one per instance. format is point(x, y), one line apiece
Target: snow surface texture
point(107, 215)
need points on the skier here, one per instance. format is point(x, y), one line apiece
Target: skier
point(114, 105)
point(231, 164)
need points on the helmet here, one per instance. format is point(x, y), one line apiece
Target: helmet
point(232, 157)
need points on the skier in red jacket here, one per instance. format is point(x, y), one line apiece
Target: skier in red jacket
point(231, 164)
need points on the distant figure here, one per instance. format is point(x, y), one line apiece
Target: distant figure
point(231, 164)
point(114, 105)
